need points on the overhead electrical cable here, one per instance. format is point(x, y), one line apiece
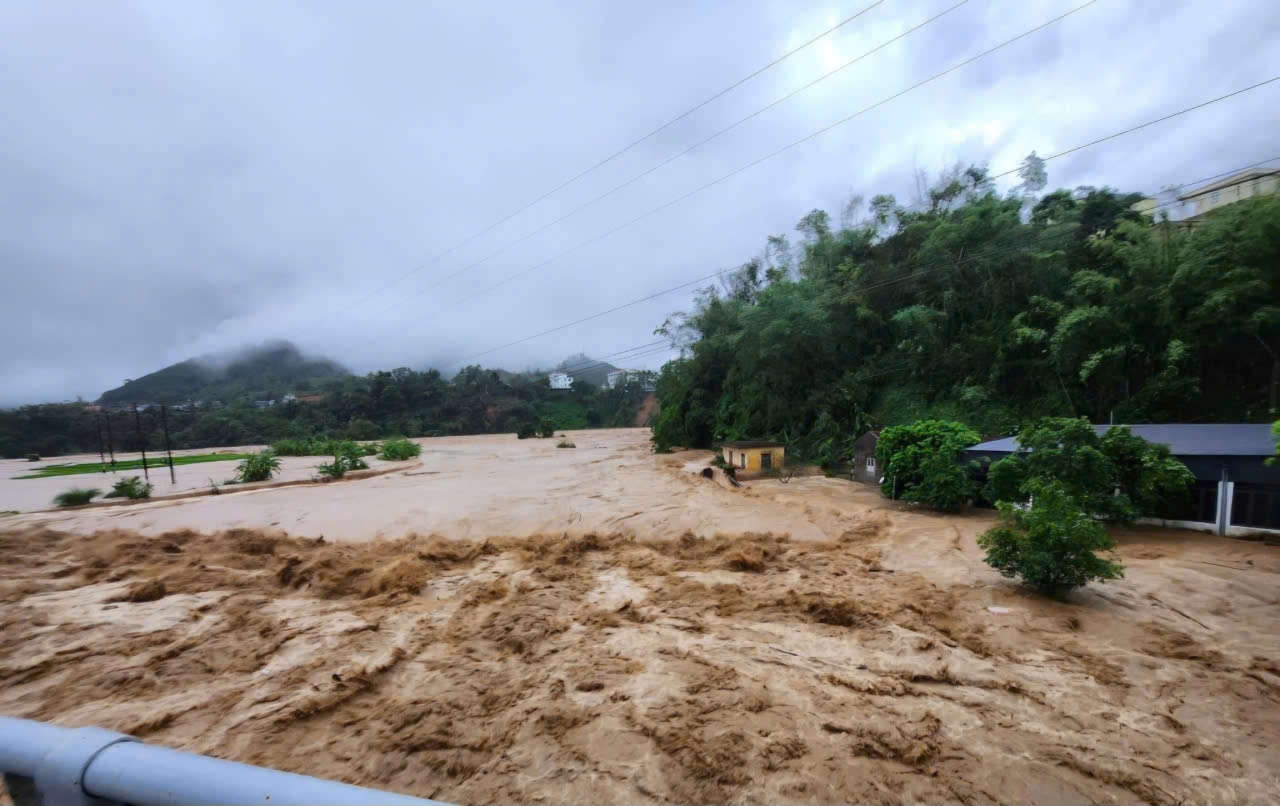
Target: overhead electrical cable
point(567, 182)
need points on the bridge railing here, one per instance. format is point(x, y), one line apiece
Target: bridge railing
point(46, 765)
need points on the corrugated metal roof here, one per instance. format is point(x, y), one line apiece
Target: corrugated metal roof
point(1183, 439)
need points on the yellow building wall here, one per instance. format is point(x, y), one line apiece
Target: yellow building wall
point(748, 460)
point(1247, 189)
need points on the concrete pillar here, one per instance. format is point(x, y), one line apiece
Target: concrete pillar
point(1226, 492)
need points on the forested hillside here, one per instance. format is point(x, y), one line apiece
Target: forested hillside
point(262, 373)
point(984, 309)
point(402, 402)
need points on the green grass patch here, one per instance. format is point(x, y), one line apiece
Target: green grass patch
point(134, 464)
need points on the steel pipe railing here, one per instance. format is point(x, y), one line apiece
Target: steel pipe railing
point(92, 766)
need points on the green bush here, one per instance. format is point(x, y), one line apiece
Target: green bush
point(921, 463)
point(1049, 545)
point(399, 449)
point(564, 443)
point(293, 447)
point(130, 487)
point(526, 430)
point(546, 428)
point(259, 467)
point(322, 446)
point(354, 456)
point(347, 458)
point(33, 457)
point(1118, 476)
point(75, 497)
point(332, 470)
point(1147, 474)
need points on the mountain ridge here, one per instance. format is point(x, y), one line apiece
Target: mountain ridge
point(267, 370)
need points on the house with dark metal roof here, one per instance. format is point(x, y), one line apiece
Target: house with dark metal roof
point(1235, 492)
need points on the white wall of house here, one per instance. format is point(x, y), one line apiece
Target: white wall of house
point(560, 380)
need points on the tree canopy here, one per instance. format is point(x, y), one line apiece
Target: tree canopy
point(1117, 476)
point(985, 309)
point(1050, 545)
point(921, 463)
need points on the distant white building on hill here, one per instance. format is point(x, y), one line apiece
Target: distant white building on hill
point(560, 380)
point(614, 378)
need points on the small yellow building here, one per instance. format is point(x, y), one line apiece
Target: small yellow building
point(754, 457)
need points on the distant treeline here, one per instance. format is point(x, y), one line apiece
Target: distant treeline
point(985, 309)
point(401, 402)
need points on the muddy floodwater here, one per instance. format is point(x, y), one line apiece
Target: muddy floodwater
point(512, 622)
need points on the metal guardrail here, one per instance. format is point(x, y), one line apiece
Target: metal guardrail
point(47, 765)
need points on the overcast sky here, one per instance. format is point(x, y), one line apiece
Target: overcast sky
point(178, 178)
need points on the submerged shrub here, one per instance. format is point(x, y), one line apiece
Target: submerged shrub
point(131, 487)
point(347, 458)
point(259, 467)
point(399, 449)
point(76, 496)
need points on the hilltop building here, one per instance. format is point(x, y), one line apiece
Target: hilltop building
point(1192, 206)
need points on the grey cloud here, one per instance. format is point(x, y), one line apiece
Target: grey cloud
point(182, 178)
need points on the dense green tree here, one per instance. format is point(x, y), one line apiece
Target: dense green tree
point(985, 310)
point(1117, 476)
point(920, 462)
point(1146, 474)
point(1051, 544)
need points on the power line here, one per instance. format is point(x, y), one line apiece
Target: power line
point(566, 183)
point(1152, 122)
point(641, 350)
point(602, 363)
point(913, 275)
point(776, 153)
point(611, 367)
point(632, 353)
point(591, 202)
point(720, 272)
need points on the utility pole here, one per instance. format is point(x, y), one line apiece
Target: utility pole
point(111, 446)
point(102, 454)
point(164, 424)
point(142, 445)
